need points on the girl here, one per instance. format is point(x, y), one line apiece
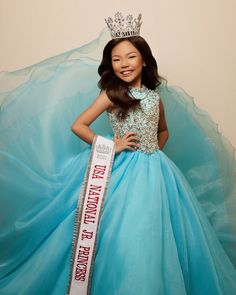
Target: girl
point(123, 64)
point(153, 238)
point(156, 235)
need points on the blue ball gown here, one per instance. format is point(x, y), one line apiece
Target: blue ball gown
point(168, 224)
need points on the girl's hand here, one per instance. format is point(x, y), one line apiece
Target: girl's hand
point(128, 141)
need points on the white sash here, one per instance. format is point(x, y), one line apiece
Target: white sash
point(88, 214)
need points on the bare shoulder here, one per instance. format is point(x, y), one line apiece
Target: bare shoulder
point(100, 104)
point(103, 100)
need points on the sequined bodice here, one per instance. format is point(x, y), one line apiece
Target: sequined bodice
point(143, 120)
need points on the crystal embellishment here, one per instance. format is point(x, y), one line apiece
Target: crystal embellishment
point(122, 27)
point(143, 120)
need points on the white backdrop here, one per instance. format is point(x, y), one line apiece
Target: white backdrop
point(194, 42)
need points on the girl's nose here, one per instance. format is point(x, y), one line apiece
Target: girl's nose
point(124, 63)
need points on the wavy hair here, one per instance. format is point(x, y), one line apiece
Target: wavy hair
point(117, 89)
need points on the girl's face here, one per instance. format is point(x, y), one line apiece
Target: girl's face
point(127, 63)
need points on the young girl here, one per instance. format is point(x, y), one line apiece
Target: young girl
point(153, 235)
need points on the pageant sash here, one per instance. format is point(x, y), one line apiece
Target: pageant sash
point(88, 214)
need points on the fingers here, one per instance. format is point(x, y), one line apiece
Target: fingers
point(132, 138)
point(132, 144)
point(128, 141)
point(128, 134)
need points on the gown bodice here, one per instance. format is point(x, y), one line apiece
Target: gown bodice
point(143, 120)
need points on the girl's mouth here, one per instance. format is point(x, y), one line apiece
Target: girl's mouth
point(127, 73)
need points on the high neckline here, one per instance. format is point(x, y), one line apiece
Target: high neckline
point(138, 93)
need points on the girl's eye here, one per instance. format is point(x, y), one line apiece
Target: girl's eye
point(115, 59)
point(132, 56)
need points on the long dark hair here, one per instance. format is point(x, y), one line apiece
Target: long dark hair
point(117, 89)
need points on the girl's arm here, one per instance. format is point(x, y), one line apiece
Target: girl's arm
point(163, 133)
point(81, 125)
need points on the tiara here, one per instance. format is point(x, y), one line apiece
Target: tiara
point(122, 27)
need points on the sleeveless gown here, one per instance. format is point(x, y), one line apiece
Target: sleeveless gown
point(168, 224)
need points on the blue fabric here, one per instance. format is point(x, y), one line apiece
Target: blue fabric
point(163, 230)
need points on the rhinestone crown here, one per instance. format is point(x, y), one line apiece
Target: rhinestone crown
point(122, 27)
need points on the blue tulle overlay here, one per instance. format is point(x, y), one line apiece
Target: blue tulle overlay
point(168, 224)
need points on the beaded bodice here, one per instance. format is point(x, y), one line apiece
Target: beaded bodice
point(143, 120)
